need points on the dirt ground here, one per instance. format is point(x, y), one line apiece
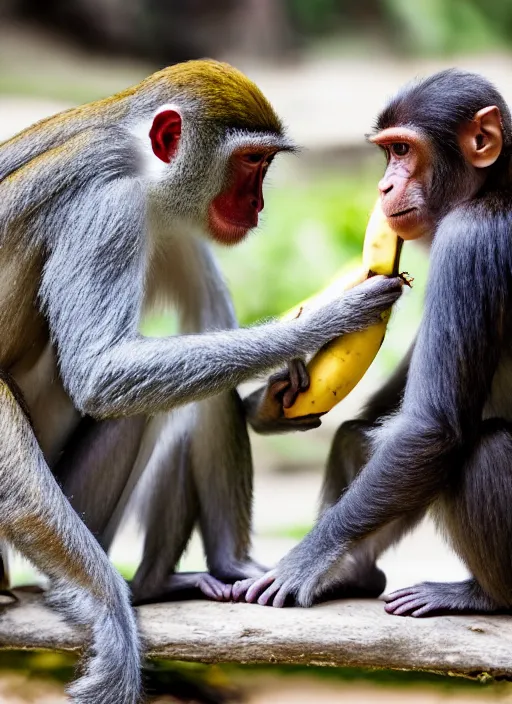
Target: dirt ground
point(18, 688)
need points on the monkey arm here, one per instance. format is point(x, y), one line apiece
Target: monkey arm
point(141, 375)
point(92, 290)
point(451, 371)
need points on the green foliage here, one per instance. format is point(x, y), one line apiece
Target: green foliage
point(422, 26)
point(313, 16)
point(311, 230)
point(449, 26)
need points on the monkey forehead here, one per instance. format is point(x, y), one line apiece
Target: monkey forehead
point(227, 95)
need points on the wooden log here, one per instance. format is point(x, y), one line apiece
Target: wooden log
point(343, 633)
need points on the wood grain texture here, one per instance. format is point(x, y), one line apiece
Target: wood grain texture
point(348, 633)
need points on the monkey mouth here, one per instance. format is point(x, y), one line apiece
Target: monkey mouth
point(225, 230)
point(401, 213)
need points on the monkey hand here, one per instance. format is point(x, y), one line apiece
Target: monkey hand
point(265, 407)
point(299, 579)
point(358, 307)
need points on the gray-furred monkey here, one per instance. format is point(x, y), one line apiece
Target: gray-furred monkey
point(105, 211)
point(448, 146)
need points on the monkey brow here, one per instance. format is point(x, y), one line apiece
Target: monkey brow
point(290, 148)
point(257, 140)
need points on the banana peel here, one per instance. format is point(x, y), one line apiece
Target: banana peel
point(339, 366)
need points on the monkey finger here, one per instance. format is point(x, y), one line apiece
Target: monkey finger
point(388, 289)
point(293, 372)
point(304, 427)
point(303, 375)
point(279, 387)
point(280, 597)
point(239, 588)
point(306, 422)
point(290, 396)
point(267, 595)
point(281, 375)
point(259, 585)
point(300, 424)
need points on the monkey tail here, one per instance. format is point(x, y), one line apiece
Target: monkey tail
point(111, 674)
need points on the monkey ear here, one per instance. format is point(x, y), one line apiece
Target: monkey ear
point(165, 134)
point(481, 140)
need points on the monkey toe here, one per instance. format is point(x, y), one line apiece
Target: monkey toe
point(213, 588)
point(417, 601)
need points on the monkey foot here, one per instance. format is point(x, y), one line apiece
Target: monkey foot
point(183, 586)
point(213, 588)
point(436, 598)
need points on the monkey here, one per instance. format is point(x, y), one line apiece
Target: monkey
point(448, 145)
point(99, 474)
point(109, 210)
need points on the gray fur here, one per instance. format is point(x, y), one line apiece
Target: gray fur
point(93, 231)
point(38, 521)
point(448, 448)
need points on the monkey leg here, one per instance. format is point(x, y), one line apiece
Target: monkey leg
point(170, 512)
point(223, 474)
point(169, 528)
point(475, 513)
point(204, 473)
point(37, 519)
point(94, 468)
point(182, 586)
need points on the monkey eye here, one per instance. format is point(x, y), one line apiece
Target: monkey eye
point(254, 158)
point(400, 148)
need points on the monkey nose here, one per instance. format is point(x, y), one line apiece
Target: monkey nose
point(385, 187)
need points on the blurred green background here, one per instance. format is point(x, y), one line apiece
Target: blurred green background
point(328, 66)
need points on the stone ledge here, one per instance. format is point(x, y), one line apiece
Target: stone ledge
point(348, 633)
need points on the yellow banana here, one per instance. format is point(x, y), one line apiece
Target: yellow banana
point(339, 366)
